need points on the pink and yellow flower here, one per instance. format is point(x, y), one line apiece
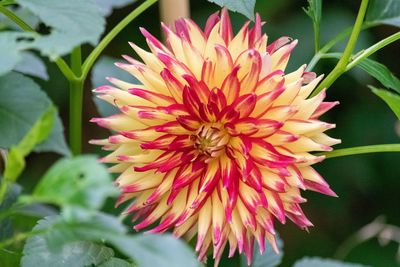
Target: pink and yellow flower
point(216, 140)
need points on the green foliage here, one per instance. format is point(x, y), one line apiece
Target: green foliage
point(58, 234)
point(15, 162)
point(11, 196)
point(73, 23)
point(10, 49)
point(381, 73)
point(20, 109)
point(383, 12)
point(391, 99)
point(116, 262)
point(156, 250)
point(38, 252)
point(80, 181)
point(105, 67)
point(37, 134)
point(319, 262)
point(245, 7)
point(269, 258)
point(32, 65)
point(106, 6)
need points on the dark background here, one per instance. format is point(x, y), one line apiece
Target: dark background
point(368, 185)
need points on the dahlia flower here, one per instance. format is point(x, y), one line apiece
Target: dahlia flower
point(216, 140)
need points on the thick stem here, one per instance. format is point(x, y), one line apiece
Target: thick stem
point(76, 104)
point(361, 150)
point(91, 59)
point(340, 68)
point(64, 68)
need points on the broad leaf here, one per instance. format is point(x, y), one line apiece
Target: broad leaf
point(56, 141)
point(115, 262)
point(319, 262)
point(245, 7)
point(156, 250)
point(145, 250)
point(21, 104)
point(80, 181)
point(37, 134)
point(38, 252)
point(391, 99)
point(94, 226)
point(73, 22)
point(103, 68)
point(31, 64)
point(381, 73)
point(383, 12)
point(10, 198)
point(106, 6)
point(10, 47)
point(268, 259)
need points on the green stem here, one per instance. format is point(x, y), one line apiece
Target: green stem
point(369, 51)
point(340, 68)
point(316, 40)
point(319, 56)
point(64, 68)
point(328, 46)
point(76, 104)
point(91, 59)
point(361, 150)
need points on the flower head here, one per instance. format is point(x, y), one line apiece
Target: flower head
point(216, 139)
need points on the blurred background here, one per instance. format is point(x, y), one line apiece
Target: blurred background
point(368, 185)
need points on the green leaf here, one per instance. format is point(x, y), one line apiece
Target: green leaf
point(156, 250)
point(38, 133)
point(80, 181)
point(145, 250)
point(381, 73)
point(103, 68)
point(10, 50)
point(21, 105)
point(56, 140)
point(11, 196)
point(393, 100)
point(245, 7)
point(15, 162)
point(115, 262)
point(73, 22)
point(383, 12)
point(31, 64)
point(268, 259)
point(106, 6)
point(38, 252)
point(319, 262)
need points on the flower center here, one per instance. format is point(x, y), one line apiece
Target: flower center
point(210, 139)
